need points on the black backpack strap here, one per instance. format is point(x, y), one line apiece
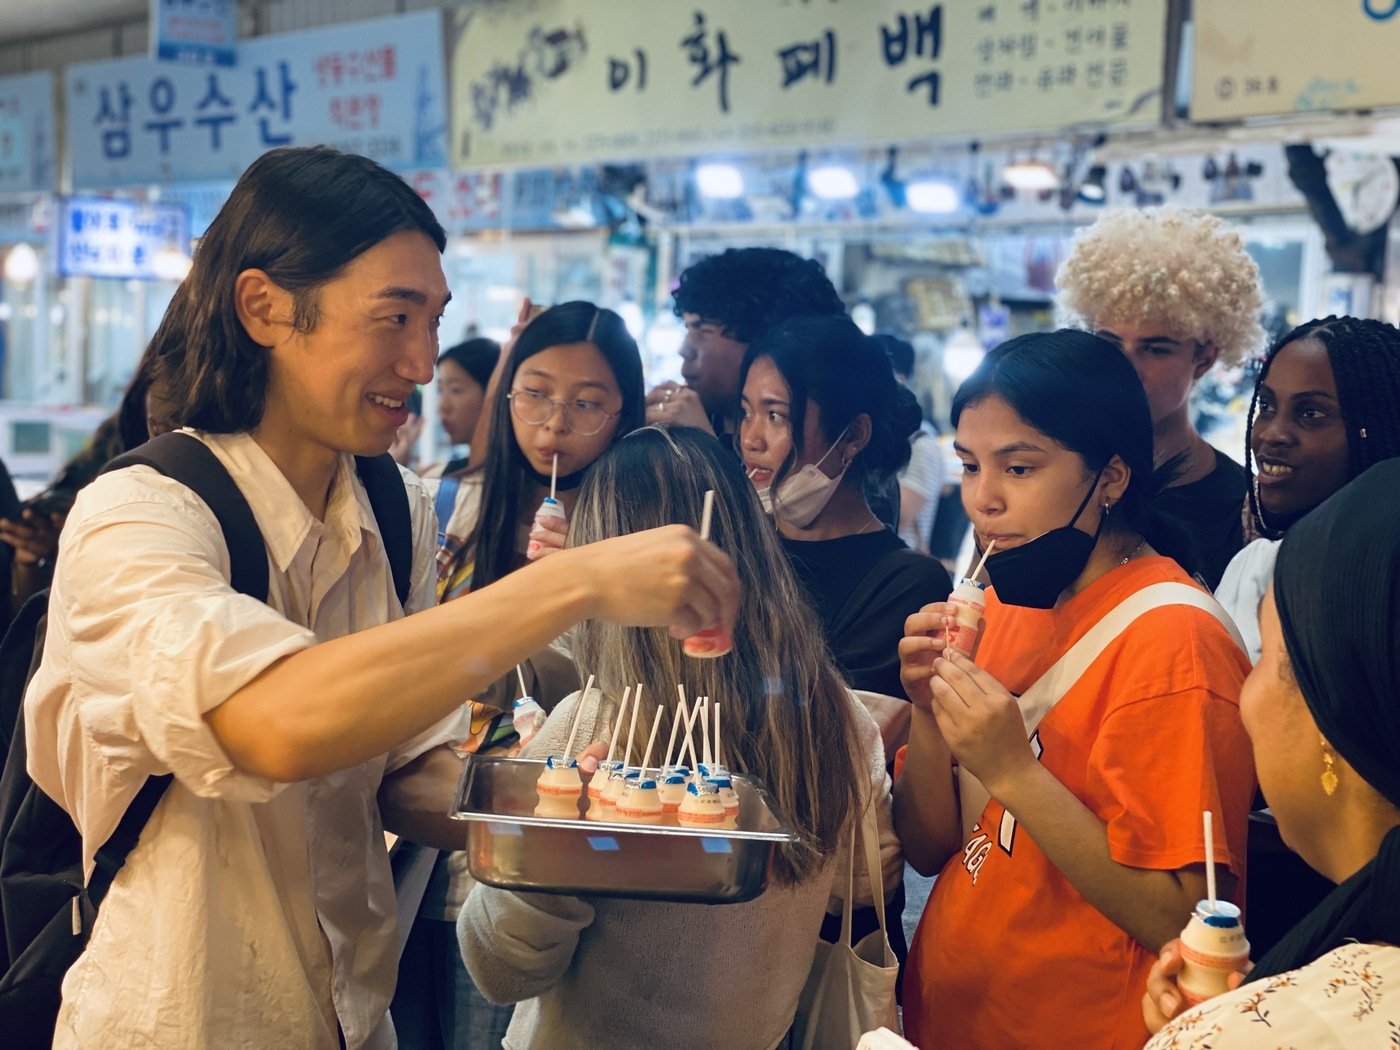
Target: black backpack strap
point(186, 459)
point(112, 854)
point(389, 499)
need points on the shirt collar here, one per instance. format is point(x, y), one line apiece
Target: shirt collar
point(282, 517)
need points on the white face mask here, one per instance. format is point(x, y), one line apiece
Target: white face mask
point(802, 496)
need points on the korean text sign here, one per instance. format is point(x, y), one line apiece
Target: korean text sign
point(1250, 61)
point(98, 237)
point(26, 133)
point(374, 88)
point(560, 81)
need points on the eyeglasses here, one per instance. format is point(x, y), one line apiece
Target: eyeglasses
point(584, 418)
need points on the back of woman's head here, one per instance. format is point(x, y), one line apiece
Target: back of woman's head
point(477, 357)
point(300, 214)
point(846, 373)
point(787, 714)
point(1082, 392)
point(507, 473)
point(1337, 592)
point(1365, 358)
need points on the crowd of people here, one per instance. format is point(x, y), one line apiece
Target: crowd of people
point(1137, 663)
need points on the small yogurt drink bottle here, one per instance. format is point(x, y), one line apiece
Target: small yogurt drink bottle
point(1213, 946)
point(527, 716)
point(550, 510)
point(559, 788)
point(969, 602)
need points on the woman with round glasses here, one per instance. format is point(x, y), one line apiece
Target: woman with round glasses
point(571, 386)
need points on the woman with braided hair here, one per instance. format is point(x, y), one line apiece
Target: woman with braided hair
point(1326, 406)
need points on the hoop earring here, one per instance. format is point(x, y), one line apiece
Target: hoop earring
point(1329, 775)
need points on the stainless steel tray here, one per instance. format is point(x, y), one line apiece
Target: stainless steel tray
point(508, 846)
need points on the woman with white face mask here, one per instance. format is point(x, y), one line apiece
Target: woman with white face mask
point(821, 413)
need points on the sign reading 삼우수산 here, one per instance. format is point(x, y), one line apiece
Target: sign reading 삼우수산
point(566, 81)
point(374, 88)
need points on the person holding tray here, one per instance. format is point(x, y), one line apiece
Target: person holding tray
point(571, 387)
point(714, 976)
point(257, 905)
point(1056, 892)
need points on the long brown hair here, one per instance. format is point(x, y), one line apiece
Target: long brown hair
point(788, 715)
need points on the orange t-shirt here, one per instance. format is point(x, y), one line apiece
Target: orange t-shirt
point(1008, 953)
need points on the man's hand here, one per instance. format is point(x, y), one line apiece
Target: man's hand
point(662, 577)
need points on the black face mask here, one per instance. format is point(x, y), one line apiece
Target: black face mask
point(1035, 574)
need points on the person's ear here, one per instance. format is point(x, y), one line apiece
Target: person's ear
point(1206, 356)
point(857, 437)
point(1113, 482)
point(264, 307)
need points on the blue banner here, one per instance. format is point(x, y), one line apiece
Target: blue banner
point(374, 88)
point(26, 133)
point(101, 237)
point(195, 32)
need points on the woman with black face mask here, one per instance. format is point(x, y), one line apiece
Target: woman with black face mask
point(1088, 856)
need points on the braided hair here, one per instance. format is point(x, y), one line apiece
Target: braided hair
point(1365, 359)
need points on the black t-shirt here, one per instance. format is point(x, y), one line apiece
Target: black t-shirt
point(1211, 513)
point(863, 588)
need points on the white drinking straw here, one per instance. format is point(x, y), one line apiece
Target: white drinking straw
point(991, 546)
point(553, 473)
point(1210, 859)
point(521, 675)
point(651, 742)
point(578, 712)
point(675, 728)
point(617, 724)
point(719, 761)
point(632, 729)
point(690, 740)
point(706, 513)
point(705, 729)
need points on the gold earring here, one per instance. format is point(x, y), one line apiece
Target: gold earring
point(1329, 776)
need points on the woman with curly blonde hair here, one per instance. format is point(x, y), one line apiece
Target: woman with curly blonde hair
point(1175, 291)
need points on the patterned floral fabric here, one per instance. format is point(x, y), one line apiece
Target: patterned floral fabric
point(1348, 998)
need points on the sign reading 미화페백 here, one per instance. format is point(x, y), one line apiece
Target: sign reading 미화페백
point(563, 81)
point(1259, 57)
point(27, 146)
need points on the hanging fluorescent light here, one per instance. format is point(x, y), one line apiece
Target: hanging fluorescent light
point(1031, 175)
point(932, 196)
point(21, 264)
point(832, 182)
point(721, 182)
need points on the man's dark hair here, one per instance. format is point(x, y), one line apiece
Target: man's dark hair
point(301, 215)
point(750, 291)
